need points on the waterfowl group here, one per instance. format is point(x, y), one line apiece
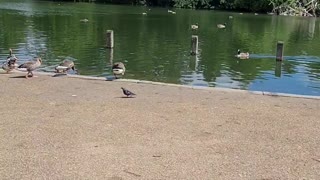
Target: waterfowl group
point(11, 62)
point(118, 68)
point(242, 55)
point(30, 66)
point(65, 66)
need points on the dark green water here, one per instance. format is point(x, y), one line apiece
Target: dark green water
point(157, 46)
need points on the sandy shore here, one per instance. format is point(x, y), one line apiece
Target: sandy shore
point(71, 128)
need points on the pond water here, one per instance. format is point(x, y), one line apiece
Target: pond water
point(156, 46)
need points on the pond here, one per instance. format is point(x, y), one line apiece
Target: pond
point(156, 46)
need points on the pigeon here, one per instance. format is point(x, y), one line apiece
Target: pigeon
point(127, 92)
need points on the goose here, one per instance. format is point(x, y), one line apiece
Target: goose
point(10, 54)
point(195, 26)
point(11, 62)
point(31, 66)
point(65, 66)
point(118, 68)
point(242, 55)
point(10, 65)
point(222, 26)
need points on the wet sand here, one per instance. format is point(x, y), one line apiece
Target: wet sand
point(73, 128)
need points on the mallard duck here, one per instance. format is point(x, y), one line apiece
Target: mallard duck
point(195, 26)
point(65, 66)
point(11, 62)
point(118, 68)
point(31, 66)
point(242, 55)
point(222, 26)
point(172, 12)
point(84, 20)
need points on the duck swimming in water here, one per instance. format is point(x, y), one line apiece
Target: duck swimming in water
point(194, 26)
point(242, 55)
point(118, 68)
point(222, 26)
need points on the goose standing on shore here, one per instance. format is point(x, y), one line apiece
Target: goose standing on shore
point(11, 62)
point(31, 66)
point(118, 68)
point(65, 66)
point(242, 55)
point(10, 65)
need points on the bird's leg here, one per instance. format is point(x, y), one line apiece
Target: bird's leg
point(27, 76)
point(31, 73)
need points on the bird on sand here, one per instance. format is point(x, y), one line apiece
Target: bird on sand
point(11, 62)
point(127, 92)
point(118, 68)
point(65, 66)
point(10, 65)
point(31, 66)
point(242, 55)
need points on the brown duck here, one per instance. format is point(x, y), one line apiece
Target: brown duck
point(65, 66)
point(31, 66)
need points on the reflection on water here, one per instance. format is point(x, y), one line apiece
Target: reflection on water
point(156, 46)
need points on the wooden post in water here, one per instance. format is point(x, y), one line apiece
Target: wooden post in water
point(279, 55)
point(278, 69)
point(111, 57)
point(194, 45)
point(110, 42)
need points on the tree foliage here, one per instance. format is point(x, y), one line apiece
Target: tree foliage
point(298, 6)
